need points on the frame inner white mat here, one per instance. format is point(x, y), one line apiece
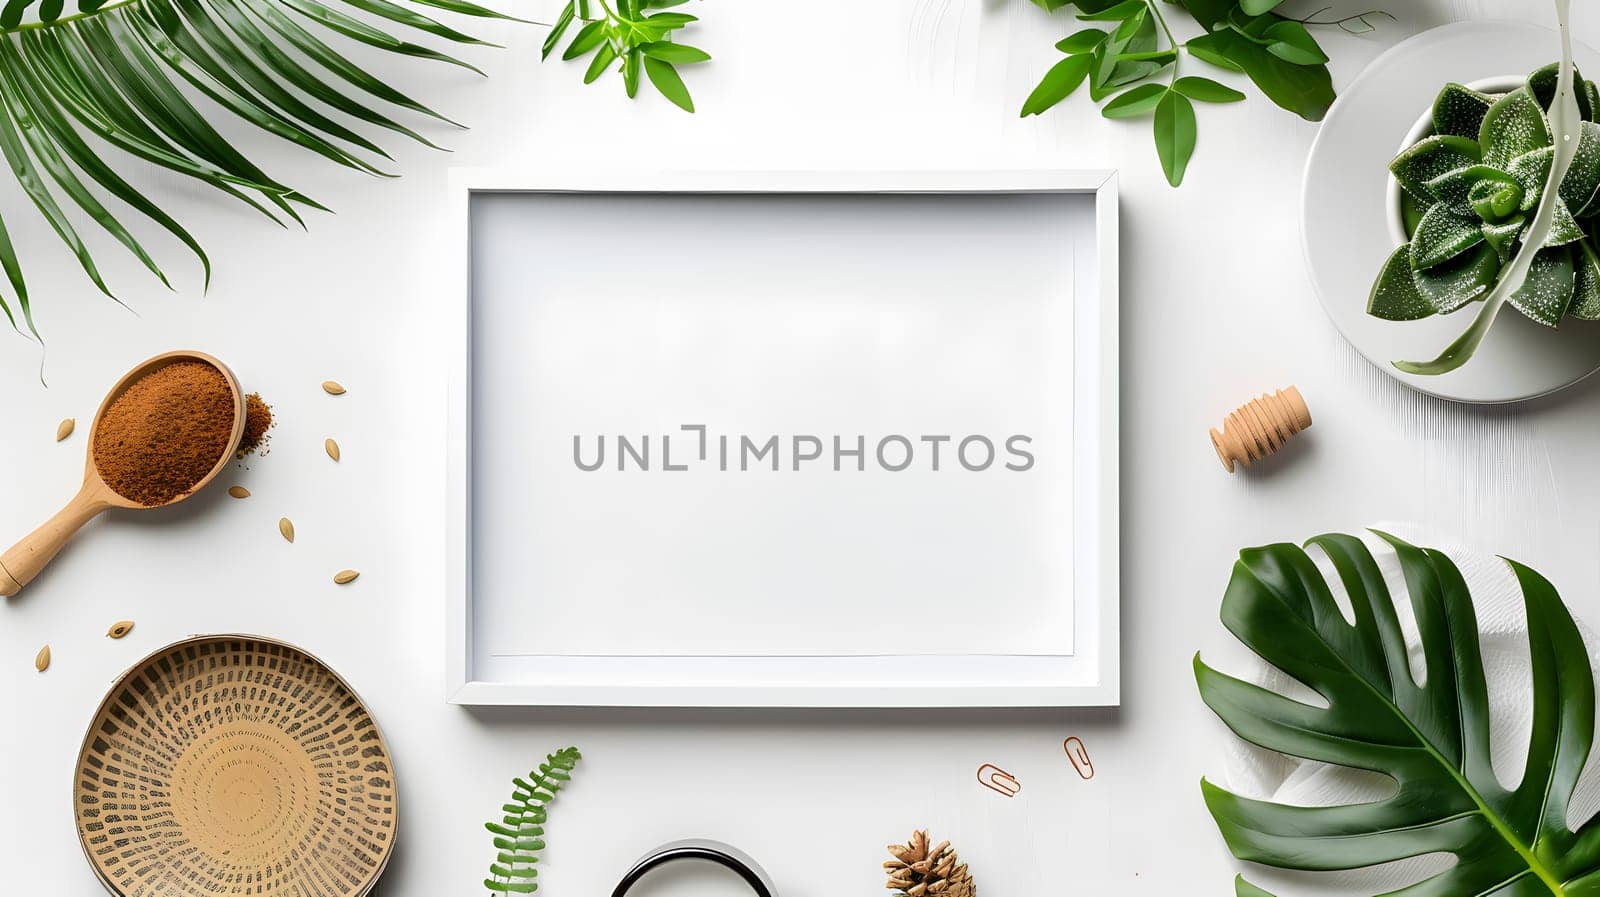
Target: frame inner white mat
point(684, 344)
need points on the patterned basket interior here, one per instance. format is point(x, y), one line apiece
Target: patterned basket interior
point(231, 765)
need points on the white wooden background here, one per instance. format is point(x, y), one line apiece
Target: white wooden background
point(1216, 308)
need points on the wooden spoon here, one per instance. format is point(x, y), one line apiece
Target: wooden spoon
point(23, 562)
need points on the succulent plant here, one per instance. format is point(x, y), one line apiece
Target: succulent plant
point(1470, 192)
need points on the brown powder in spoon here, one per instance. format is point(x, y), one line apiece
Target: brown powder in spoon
point(165, 432)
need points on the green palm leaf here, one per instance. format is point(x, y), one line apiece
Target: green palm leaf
point(118, 75)
point(1431, 739)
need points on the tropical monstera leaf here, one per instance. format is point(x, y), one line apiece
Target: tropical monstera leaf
point(1431, 737)
point(81, 92)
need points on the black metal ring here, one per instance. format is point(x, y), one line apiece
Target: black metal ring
point(700, 849)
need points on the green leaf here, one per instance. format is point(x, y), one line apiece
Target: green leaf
point(1057, 84)
point(1081, 42)
point(1206, 90)
point(587, 38)
point(1582, 183)
point(1450, 285)
point(1586, 282)
point(1432, 158)
point(1126, 71)
point(630, 72)
point(1564, 228)
point(1394, 295)
point(1514, 125)
point(677, 54)
point(1548, 289)
point(1459, 110)
point(1175, 135)
point(1441, 235)
point(666, 80)
point(1136, 34)
point(563, 21)
point(597, 66)
point(1135, 102)
point(1306, 90)
point(1160, 58)
point(1118, 13)
point(1204, 48)
point(1258, 7)
point(11, 13)
point(1291, 42)
point(671, 20)
point(1542, 84)
point(1431, 739)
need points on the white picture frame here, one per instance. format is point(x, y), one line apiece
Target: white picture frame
point(1088, 676)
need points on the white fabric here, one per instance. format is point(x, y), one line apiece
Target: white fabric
point(1502, 623)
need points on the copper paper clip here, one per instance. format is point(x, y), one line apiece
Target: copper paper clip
point(999, 780)
point(1079, 755)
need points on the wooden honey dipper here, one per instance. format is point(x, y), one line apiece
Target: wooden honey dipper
point(1260, 427)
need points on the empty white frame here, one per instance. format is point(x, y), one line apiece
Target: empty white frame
point(797, 439)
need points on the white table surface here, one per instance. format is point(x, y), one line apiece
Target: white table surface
point(1216, 308)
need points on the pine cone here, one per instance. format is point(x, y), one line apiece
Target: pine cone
point(917, 871)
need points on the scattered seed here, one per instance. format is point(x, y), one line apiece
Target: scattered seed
point(287, 528)
point(344, 577)
point(238, 492)
point(41, 661)
point(119, 629)
point(65, 428)
point(332, 448)
point(332, 388)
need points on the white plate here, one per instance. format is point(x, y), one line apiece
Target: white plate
point(1344, 219)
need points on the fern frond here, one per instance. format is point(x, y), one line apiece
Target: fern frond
point(121, 74)
point(518, 833)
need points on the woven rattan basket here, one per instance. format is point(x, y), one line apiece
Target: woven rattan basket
point(223, 766)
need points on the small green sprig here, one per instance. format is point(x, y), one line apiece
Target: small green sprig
point(1132, 64)
point(519, 836)
point(634, 36)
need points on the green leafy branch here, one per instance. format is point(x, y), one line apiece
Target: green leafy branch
point(630, 38)
point(519, 836)
point(123, 73)
point(1132, 64)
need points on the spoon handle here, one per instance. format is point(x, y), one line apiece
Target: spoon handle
point(24, 560)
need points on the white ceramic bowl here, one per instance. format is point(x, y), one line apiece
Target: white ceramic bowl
point(1346, 207)
point(1502, 84)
